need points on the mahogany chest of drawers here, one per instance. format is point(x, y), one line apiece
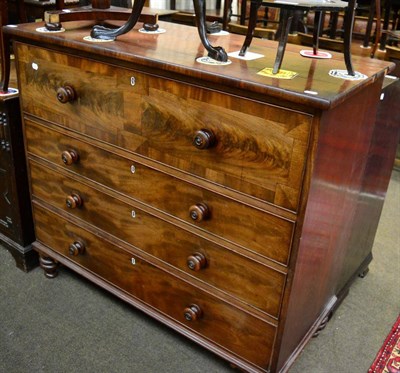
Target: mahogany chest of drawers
point(216, 200)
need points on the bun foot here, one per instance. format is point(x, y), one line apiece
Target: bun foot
point(322, 325)
point(49, 266)
point(363, 273)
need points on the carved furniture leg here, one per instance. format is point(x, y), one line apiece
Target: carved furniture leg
point(104, 33)
point(348, 33)
point(49, 266)
point(250, 28)
point(286, 17)
point(217, 53)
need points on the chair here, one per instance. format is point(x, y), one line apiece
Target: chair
point(393, 55)
point(373, 9)
point(287, 10)
point(391, 8)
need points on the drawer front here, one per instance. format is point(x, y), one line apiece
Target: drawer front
point(256, 230)
point(237, 275)
point(255, 148)
point(220, 322)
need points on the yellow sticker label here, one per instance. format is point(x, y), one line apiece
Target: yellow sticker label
point(281, 74)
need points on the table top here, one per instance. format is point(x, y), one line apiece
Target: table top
point(174, 54)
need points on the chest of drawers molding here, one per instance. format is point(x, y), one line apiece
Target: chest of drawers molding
point(211, 211)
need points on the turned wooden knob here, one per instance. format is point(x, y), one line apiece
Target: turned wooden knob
point(73, 201)
point(199, 212)
point(196, 261)
point(66, 94)
point(204, 139)
point(69, 157)
point(192, 313)
point(76, 248)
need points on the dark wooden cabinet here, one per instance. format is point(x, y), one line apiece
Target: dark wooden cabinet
point(228, 205)
point(16, 224)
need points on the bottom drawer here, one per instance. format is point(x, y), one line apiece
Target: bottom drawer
point(200, 312)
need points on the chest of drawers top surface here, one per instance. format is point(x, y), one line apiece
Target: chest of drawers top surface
point(175, 52)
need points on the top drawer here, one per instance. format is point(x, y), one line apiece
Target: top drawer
point(252, 147)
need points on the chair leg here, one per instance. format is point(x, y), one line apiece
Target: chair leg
point(385, 27)
point(317, 31)
point(255, 4)
point(5, 63)
point(333, 25)
point(378, 30)
point(227, 14)
point(243, 10)
point(369, 24)
point(217, 53)
point(348, 33)
point(286, 17)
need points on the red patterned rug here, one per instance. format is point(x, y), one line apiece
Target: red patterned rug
point(388, 358)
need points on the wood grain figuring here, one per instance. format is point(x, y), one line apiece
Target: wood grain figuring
point(229, 219)
point(260, 149)
point(221, 323)
point(255, 284)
